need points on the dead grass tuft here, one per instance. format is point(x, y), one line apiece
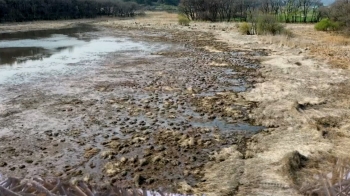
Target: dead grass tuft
point(334, 182)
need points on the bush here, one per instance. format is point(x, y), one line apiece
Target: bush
point(245, 28)
point(267, 24)
point(183, 20)
point(327, 25)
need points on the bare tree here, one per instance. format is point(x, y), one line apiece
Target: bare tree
point(340, 11)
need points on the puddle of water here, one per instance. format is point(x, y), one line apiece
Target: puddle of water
point(27, 55)
point(224, 126)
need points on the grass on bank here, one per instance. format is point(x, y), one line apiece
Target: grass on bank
point(183, 20)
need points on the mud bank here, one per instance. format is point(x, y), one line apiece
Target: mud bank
point(171, 118)
point(300, 97)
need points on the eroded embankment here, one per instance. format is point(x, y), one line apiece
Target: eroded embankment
point(172, 119)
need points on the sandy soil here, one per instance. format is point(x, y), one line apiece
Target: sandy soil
point(298, 94)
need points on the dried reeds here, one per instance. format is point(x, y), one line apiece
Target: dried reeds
point(55, 187)
point(334, 183)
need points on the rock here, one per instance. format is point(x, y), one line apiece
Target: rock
point(48, 133)
point(27, 161)
point(156, 159)
point(106, 154)
point(87, 178)
point(150, 181)
point(3, 164)
point(143, 162)
point(139, 180)
point(123, 160)
point(111, 169)
point(124, 173)
point(92, 165)
point(91, 152)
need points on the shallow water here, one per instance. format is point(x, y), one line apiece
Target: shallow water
point(24, 56)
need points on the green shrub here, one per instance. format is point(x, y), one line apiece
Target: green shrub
point(327, 25)
point(183, 20)
point(245, 28)
point(268, 24)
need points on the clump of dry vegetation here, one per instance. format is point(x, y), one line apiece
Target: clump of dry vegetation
point(54, 186)
point(263, 24)
point(268, 24)
point(245, 28)
point(334, 183)
point(183, 20)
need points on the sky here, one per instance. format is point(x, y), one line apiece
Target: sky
point(327, 2)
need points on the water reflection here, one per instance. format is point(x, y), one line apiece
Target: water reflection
point(27, 58)
point(19, 47)
point(72, 32)
point(19, 55)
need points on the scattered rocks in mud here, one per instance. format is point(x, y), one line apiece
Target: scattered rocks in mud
point(155, 125)
point(166, 152)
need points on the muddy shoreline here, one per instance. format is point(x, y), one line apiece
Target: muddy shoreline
point(162, 120)
point(187, 117)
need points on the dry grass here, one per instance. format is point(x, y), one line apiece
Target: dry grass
point(51, 187)
point(333, 47)
point(334, 183)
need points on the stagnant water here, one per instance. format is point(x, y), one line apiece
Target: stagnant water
point(25, 55)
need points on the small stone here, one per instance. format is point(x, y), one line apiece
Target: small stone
point(156, 159)
point(29, 161)
point(150, 181)
point(92, 165)
point(123, 160)
point(139, 180)
point(3, 164)
point(143, 162)
point(124, 173)
point(22, 166)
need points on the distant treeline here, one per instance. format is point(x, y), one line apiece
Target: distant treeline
point(226, 10)
point(152, 2)
point(29, 10)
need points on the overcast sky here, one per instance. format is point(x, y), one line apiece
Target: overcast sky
point(327, 2)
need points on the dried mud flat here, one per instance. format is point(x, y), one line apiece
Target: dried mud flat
point(159, 120)
point(179, 118)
